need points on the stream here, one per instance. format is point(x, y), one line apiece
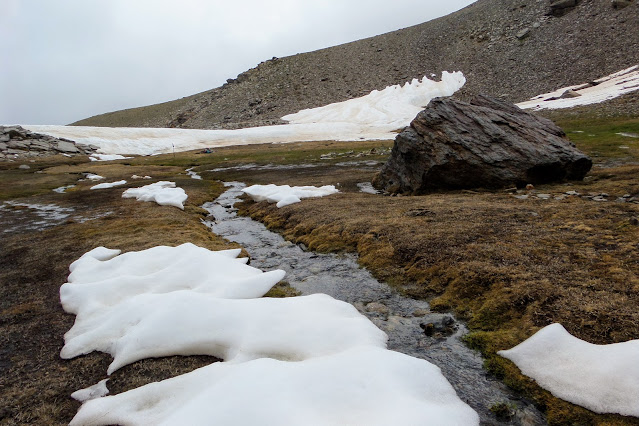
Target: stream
point(411, 327)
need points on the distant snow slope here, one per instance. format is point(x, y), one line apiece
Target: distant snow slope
point(600, 90)
point(371, 117)
point(602, 378)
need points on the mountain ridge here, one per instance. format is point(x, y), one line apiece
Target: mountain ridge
point(513, 49)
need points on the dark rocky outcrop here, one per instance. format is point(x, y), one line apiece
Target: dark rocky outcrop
point(17, 142)
point(486, 143)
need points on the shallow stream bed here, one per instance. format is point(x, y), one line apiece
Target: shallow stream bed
point(411, 327)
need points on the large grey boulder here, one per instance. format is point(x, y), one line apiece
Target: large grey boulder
point(486, 143)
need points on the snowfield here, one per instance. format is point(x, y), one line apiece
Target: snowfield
point(309, 360)
point(600, 90)
point(371, 117)
point(602, 378)
point(284, 195)
point(164, 193)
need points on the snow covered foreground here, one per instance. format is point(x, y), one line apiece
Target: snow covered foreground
point(360, 386)
point(600, 90)
point(284, 195)
point(163, 192)
point(371, 117)
point(602, 378)
point(177, 301)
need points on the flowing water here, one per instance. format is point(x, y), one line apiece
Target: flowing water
point(411, 327)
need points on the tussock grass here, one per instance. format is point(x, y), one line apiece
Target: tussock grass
point(506, 266)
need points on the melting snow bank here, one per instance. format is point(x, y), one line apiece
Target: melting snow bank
point(602, 378)
point(100, 278)
point(153, 325)
point(107, 157)
point(108, 185)
point(601, 90)
point(164, 193)
point(365, 385)
point(284, 195)
point(371, 117)
point(96, 391)
point(176, 301)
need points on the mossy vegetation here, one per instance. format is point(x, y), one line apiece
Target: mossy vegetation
point(506, 266)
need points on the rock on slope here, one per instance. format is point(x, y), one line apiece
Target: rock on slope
point(485, 143)
point(514, 49)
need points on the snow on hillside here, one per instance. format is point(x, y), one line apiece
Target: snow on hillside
point(600, 90)
point(371, 117)
point(602, 378)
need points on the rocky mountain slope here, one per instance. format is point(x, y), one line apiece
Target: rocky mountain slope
point(514, 49)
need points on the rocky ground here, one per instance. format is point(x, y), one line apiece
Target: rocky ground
point(17, 143)
point(512, 49)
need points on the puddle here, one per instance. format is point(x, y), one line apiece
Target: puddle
point(406, 321)
point(193, 174)
point(25, 217)
point(367, 188)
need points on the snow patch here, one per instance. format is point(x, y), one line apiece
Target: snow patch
point(194, 175)
point(107, 157)
point(96, 391)
point(164, 193)
point(62, 189)
point(602, 378)
point(92, 176)
point(365, 385)
point(284, 195)
point(606, 88)
point(108, 185)
point(96, 284)
point(395, 106)
point(153, 325)
point(372, 117)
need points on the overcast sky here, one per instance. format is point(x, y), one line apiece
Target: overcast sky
point(64, 60)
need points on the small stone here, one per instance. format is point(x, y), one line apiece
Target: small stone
point(572, 193)
point(543, 196)
point(560, 197)
point(421, 312)
point(530, 187)
point(523, 33)
point(634, 221)
point(378, 307)
point(24, 167)
point(521, 197)
point(599, 198)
